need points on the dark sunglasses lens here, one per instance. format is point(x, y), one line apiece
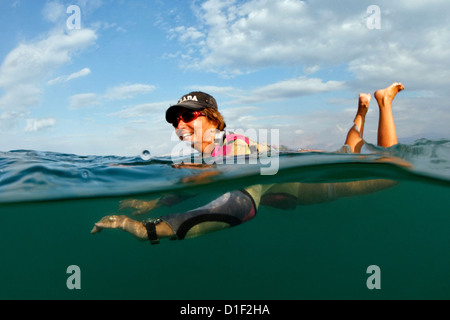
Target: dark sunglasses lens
point(188, 116)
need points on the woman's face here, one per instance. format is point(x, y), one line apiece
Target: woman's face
point(200, 132)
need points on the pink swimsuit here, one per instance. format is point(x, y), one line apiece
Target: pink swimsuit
point(228, 147)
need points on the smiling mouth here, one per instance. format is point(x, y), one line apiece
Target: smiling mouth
point(186, 135)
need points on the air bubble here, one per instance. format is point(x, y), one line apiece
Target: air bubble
point(146, 155)
point(85, 174)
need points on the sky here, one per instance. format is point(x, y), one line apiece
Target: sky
point(95, 77)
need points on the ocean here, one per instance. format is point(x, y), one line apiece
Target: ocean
point(391, 244)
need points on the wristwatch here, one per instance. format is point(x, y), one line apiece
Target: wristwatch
point(150, 225)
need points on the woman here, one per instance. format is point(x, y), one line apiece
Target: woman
point(196, 119)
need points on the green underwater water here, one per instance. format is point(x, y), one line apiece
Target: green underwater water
point(319, 251)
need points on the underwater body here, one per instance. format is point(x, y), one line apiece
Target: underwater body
point(49, 203)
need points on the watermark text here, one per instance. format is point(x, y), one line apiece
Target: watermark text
point(374, 281)
point(74, 280)
point(74, 21)
point(373, 21)
point(237, 147)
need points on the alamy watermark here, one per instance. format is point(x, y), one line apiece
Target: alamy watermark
point(74, 21)
point(256, 141)
point(374, 281)
point(74, 280)
point(373, 21)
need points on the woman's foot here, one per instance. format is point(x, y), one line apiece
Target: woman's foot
point(363, 105)
point(386, 96)
point(354, 137)
point(387, 135)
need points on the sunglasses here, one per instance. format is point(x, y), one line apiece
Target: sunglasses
point(186, 116)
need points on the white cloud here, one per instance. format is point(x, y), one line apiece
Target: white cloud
point(89, 6)
point(34, 125)
point(83, 100)
point(258, 33)
point(107, 26)
point(26, 69)
point(20, 97)
point(292, 88)
point(240, 117)
point(187, 34)
point(34, 61)
point(123, 92)
point(82, 73)
point(147, 110)
point(128, 91)
point(413, 44)
point(54, 11)
point(421, 66)
point(10, 119)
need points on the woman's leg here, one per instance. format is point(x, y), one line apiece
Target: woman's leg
point(387, 135)
point(354, 136)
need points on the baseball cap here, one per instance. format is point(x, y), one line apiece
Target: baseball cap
point(195, 100)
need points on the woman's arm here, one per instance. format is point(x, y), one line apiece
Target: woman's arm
point(231, 209)
point(145, 206)
point(136, 228)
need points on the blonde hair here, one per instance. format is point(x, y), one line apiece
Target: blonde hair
point(215, 116)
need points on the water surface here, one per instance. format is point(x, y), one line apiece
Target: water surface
point(49, 202)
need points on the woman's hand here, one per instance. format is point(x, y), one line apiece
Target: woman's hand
point(124, 223)
point(141, 207)
point(110, 222)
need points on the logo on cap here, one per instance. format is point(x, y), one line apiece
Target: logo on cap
point(188, 98)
